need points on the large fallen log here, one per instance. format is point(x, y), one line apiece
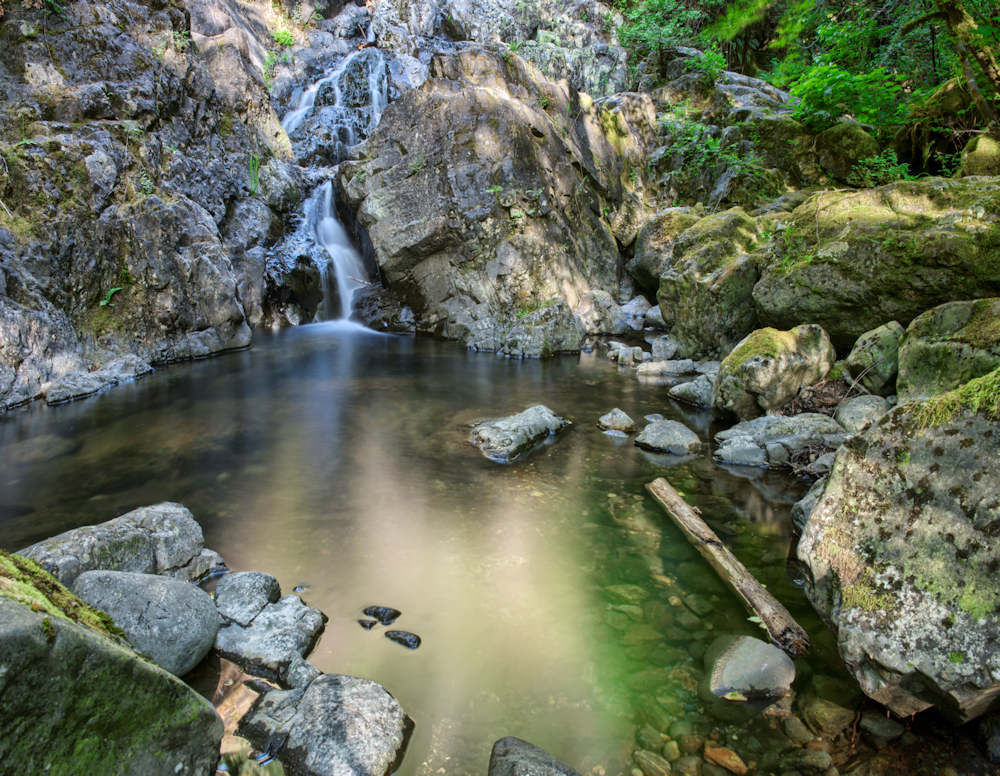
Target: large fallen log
point(780, 624)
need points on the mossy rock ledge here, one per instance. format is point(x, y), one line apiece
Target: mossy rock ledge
point(902, 553)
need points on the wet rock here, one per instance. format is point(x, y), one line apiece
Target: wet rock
point(649, 738)
point(408, 640)
point(989, 735)
point(689, 765)
point(77, 385)
point(618, 421)
point(276, 640)
point(44, 659)
point(626, 355)
point(513, 757)
point(684, 366)
point(804, 507)
point(743, 675)
point(367, 624)
point(669, 436)
point(241, 596)
point(546, 332)
point(161, 539)
point(504, 439)
point(697, 392)
point(879, 730)
point(628, 594)
point(687, 621)
point(725, 758)
point(748, 442)
point(384, 614)
point(825, 718)
point(170, 621)
point(797, 731)
point(858, 413)
point(768, 368)
point(671, 751)
point(651, 763)
point(337, 726)
point(808, 761)
point(874, 359)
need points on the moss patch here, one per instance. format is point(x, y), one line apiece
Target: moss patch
point(25, 581)
point(979, 395)
point(983, 328)
point(763, 343)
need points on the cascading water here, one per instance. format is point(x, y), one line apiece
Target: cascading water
point(350, 98)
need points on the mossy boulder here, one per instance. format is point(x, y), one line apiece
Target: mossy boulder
point(77, 699)
point(902, 553)
point(947, 346)
point(654, 245)
point(853, 261)
point(981, 156)
point(874, 359)
point(841, 147)
point(768, 368)
point(705, 293)
point(785, 144)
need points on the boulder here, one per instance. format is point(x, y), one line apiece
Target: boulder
point(771, 440)
point(981, 156)
point(654, 245)
point(947, 346)
point(751, 668)
point(505, 439)
point(161, 539)
point(617, 421)
point(668, 436)
point(803, 508)
point(853, 261)
point(901, 558)
point(265, 637)
point(128, 716)
point(337, 726)
point(697, 392)
point(858, 413)
point(600, 314)
point(705, 292)
point(663, 348)
point(874, 359)
point(513, 757)
point(680, 366)
point(170, 621)
point(626, 355)
point(767, 369)
point(842, 146)
point(539, 334)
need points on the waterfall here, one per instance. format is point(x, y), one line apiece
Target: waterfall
point(351, 96)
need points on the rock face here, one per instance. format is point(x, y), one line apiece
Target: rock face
point(337, 726)
point(139, 718)
point(861, 271)
point(131, 202)
point(948, 346)
point(504, 439)
point(476, 192)
point(874, 359)
point(654, 245)
point(76, 385)
point(161, 539)
point(902, 557)
point(546, 332)
point(767, 369)
point(170, 621)
point(513, 757)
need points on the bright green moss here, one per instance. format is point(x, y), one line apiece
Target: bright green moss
point(979, 395)
point(763, 343)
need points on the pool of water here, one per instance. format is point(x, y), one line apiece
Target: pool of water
point(339, 461)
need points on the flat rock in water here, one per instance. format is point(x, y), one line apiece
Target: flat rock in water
point(748, 442)
point(697, 392)
point(384, 614)
point(504, 439)
point(684, 366)
point(337, 726)
point(668, 436)
point(241, 596)
point(172, 622)
point(408, 640)
point(617, 420)
point(514, 757)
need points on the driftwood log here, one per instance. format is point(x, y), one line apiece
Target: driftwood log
point(780, 624)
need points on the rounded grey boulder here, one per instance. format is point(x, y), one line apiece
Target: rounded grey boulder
point(857, 414)
point(669, 436)
point(170, 621)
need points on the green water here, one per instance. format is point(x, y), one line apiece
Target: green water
point(339, 461)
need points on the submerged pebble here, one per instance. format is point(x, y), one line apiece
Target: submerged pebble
point(408, 640)
point(384, 614)
point(367, 624)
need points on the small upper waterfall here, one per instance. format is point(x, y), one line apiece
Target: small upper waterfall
point(336, 112)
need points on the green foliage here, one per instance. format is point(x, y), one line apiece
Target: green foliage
point(417, 164)
point(282, 37)
point(253, 168)
point(146, 183)
point(653, 25)
point(181, 40)
point(827, 92)
point(107, 300)
point(878, 171)
point(709, 65)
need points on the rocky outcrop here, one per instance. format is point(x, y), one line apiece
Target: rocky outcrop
point(138, 719)
point(161, 539)
point(902, 557)
point(768, 368)
point(492, 189)
point(538, 334)
point(337, 726)
point(853, 261)
point(505, 439)
point(654, 245)
point(946, 347)
point(170, 621)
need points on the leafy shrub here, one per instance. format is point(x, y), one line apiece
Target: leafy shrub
point(826, 92)
point(710, 65)
point(658, 24)
point(878, 170)
point(283, 37)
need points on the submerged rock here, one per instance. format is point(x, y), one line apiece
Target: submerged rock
point(170, 621)
point(669, 436)
point(384, 614)
point(337, 726)
point(514, 757)
point(747, 670)
point(161, 539)
point(76, 385)
point(617, 421)
point(504, 439)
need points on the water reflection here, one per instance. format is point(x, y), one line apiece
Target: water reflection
point(338, 460)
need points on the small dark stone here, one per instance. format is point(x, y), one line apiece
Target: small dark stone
point(408, 640)
point(383, 614)
point(367, 624)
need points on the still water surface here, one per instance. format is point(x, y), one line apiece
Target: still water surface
point(338, 460)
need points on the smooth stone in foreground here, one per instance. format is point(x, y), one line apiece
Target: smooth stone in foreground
point(337, 726)
point(172, 622)
point(504, 439)
point(514, 757)
point(669, 436)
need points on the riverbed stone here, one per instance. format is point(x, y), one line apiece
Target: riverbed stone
point(160, 539)
point(680, 366)
point(697, 392)
point(947, 346)
point(747, 443)
point(668, 436)
point(859, 412)
point(768, 368)
point(514, 757)
point(898, 555)
point(650, 763)
point(725, 758)
point(504, 439)
point(874, 359)
point(617, 421)
point(170, 621)
point(242, 595)
point(337, 726)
